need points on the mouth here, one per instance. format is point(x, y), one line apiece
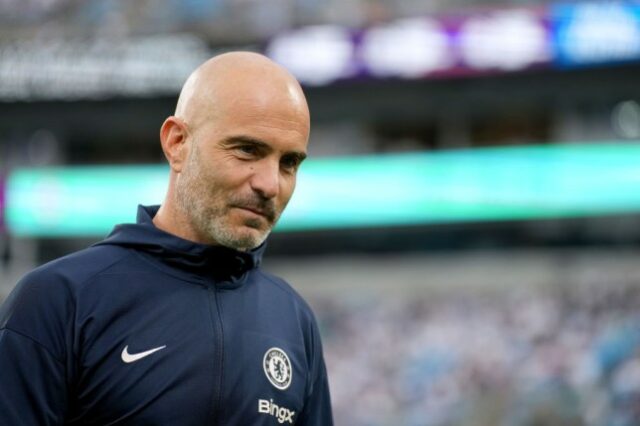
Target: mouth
point(256, 211)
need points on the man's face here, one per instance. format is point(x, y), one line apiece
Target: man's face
point(241, 172)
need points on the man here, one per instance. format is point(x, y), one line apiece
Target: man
point(171, 321)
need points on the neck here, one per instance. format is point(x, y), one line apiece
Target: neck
point(170, 219)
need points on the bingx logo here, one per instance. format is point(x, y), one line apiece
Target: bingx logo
point(282, 414)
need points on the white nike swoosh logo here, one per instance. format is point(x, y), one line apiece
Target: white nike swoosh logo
point(127, 357)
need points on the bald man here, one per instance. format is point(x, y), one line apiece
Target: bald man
point(171, 321)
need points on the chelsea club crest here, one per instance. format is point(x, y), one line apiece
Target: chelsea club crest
point(277, 368)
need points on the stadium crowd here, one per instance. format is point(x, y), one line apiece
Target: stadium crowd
point(522, 357)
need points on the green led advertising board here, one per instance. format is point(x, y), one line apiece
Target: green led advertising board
point(469, 185)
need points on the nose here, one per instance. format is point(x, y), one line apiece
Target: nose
point(266, 179)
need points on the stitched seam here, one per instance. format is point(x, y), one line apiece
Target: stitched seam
point(95, 274)
point(286, 288)
point(281, 286)
point(34, 341)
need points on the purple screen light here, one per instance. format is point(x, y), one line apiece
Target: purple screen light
point(490, 41)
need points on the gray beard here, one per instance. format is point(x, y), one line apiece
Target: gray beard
point(209, 220)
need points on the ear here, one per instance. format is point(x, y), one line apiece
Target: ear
point(174, 138)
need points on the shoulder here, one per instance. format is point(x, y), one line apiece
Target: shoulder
point(74, 269)
point(51, 287)
point(42, 305)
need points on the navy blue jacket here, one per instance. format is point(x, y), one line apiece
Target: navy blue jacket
point(145, 328)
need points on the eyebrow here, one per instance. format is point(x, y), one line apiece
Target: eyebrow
point(239, 139)
point(245, 139)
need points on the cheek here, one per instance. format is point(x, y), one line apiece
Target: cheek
point(222, 178)
point(286, 191)
point(233, 174)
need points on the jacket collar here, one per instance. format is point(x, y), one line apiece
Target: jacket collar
point(217, 262)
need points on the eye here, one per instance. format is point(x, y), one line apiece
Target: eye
point(290, 163)
point(248, 149)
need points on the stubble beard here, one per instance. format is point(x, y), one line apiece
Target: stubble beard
point(207, 210)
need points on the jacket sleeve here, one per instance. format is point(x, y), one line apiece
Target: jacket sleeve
point(33, 378)
point(317, 408)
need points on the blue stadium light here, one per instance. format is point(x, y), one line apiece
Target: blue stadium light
point(471, 185)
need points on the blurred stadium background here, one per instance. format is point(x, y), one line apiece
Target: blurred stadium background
point(467, 228)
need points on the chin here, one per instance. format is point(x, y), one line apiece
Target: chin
point(253, 237)
point(243, 239)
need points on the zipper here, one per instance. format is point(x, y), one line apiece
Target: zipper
point(218, 352)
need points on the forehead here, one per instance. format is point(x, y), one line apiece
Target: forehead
point(275, 120)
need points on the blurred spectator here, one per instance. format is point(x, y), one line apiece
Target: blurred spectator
point(519, 358)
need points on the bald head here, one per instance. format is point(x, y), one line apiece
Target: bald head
point(234, 145)
point(235, 78)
